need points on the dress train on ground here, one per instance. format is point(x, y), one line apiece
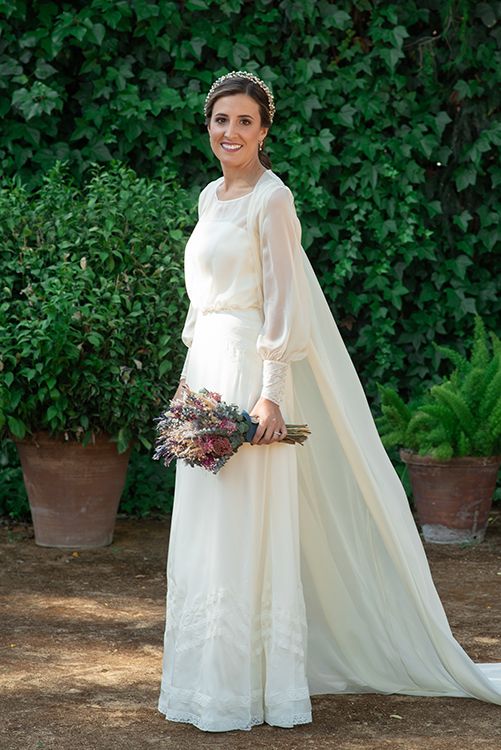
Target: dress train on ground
point(375, 620)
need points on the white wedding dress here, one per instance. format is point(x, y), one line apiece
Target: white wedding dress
point(296, 570)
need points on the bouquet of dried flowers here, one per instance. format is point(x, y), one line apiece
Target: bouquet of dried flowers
point(205, 431)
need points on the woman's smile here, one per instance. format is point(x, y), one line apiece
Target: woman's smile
point(231, 146)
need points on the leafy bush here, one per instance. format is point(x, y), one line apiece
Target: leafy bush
point(93, 293)
point(460, 416)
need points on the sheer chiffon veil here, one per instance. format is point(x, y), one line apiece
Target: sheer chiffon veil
point(375, 620)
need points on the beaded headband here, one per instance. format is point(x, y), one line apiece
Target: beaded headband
point(251, 77)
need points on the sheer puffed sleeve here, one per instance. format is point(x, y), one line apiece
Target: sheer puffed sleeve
point(284, 335)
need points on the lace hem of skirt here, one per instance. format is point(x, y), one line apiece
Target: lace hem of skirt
point(269, 644)
point(216, 714)
point(223, 726)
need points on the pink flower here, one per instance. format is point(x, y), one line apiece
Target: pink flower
point(218, 446)
point(228, 425)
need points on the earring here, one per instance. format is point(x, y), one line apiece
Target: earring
point(261, 145)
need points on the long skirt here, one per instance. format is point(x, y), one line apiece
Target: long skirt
point(235, 645)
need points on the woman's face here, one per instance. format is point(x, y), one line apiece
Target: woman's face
point(235, 129)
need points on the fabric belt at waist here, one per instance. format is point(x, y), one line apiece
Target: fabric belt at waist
point(226, 307)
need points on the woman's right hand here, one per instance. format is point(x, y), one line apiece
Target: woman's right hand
point(271, 422)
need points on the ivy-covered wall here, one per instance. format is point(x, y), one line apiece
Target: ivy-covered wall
point(387, 131)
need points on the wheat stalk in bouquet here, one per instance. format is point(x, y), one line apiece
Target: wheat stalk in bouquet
point(205, 431)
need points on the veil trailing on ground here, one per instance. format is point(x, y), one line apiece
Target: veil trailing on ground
point(375, 620)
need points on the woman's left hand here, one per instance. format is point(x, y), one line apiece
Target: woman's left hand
point(271, 422)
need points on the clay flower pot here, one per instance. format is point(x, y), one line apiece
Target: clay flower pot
point(453, 497)
point(73, 490)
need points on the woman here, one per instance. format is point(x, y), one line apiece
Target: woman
point(295, 570)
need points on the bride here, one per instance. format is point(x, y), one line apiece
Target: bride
point(296, 570)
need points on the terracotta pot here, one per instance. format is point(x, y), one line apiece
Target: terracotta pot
point(453, 497)
point(73, 491)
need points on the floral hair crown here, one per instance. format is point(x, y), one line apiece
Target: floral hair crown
point(251, 77)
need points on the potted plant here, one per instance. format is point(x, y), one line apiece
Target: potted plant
point(450, 440)
point(92, 288)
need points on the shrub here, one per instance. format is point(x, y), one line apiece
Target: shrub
point(460, 416)
point(93, 293)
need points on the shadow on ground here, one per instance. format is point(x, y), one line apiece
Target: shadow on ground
point(81, 646)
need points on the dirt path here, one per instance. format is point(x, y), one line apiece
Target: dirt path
point(81, 646)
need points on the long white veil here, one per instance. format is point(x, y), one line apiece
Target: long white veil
point(375, 620)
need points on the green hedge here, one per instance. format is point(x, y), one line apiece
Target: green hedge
point(386, 131)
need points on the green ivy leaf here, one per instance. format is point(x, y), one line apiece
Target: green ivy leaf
point(486, 12)
point(16, 427)
point(464, 177)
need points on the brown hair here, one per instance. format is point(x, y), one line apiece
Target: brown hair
point(238, 85)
